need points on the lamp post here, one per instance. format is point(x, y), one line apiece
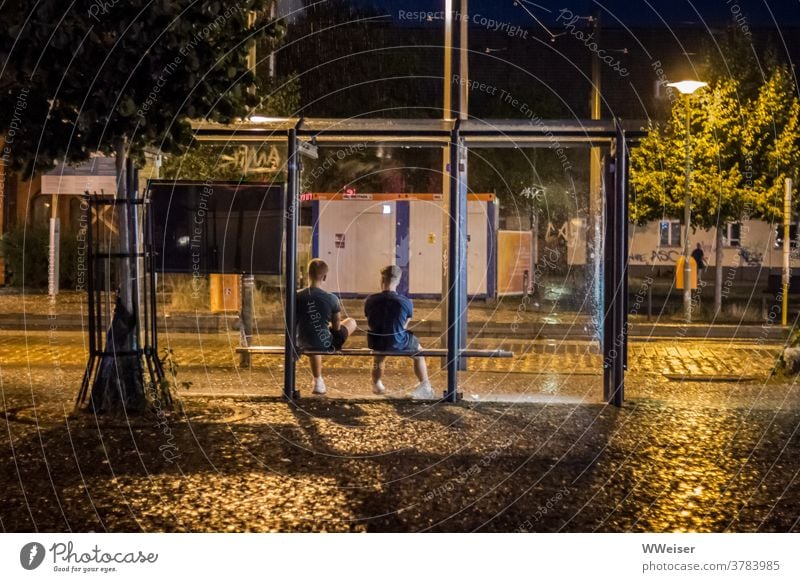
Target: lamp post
point(687, 88)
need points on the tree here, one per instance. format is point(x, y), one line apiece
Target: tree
point(115, 79)
point(350, 60)
point(279, 97)
point(771, 142)
point(717, 189)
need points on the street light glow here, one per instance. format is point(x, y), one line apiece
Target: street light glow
point(688, 87)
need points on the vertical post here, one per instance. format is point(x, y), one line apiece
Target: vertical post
point(595, 169)
point(53, 266)
point(448, 61)
point(135, 248)
point(687, 215)
point(153, 283)
point(90, 286)
point(615, 250)
point(290, 264)
point(273, 13)
point(456, 247)
point(447, 93)
point(622, 209)
point(463, 114)
point(463, 60)
point(246, 317)
point(461, 251)
point(609, 277)
point(787, 212)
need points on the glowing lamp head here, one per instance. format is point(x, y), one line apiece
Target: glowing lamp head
point(688, 87)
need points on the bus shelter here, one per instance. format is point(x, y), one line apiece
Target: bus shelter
point(613, 137)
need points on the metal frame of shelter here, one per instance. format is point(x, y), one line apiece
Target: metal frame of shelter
point(301, 135)
point(99, 285)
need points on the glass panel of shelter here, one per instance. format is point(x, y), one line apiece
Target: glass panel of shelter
point(534, 257)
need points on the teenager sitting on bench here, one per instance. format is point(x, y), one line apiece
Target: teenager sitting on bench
point(388, 314)
point(319, 323)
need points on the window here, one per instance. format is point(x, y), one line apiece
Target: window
point(669, 233)
point(793, 240)
point(41, 211)
point(732, 235)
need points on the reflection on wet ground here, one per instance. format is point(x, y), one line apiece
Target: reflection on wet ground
point(544, 456)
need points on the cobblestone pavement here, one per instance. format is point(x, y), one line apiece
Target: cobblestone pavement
point(679, 456)
point(747, 359)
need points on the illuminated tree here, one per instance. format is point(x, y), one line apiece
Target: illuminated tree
point(718, 193)
point(118, 78)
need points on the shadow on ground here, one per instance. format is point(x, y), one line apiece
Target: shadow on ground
point(235, 464)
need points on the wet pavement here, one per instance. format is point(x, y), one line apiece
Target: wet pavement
point(681, 455)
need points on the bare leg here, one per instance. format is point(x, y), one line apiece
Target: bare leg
point(421, 369)
point(350, 325)
point(316, 366)
point(377, 368)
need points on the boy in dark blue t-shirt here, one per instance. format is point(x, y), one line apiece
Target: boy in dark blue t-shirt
point(388, 314)
point(319, 324)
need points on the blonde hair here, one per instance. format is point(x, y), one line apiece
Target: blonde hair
point(317, 269)
point(391, 274)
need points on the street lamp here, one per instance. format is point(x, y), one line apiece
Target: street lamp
point(687, 88)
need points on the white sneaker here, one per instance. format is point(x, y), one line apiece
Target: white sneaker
point(378, 388)
point(423, 391)
point(319, 386)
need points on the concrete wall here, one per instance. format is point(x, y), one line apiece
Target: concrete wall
point(757, 248)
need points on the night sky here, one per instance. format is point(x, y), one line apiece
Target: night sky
point(619, 12)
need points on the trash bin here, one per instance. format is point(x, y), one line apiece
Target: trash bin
point(224, 290)
point(679, 272)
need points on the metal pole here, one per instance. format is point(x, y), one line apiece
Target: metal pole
point(609, 331)
point(152, 282)
point(462, 114)
point(787, 212)
point(687, 214)
point(290, 266)
point(448, 60)
point(54, 249)
point(446, 113)
point(90, 286)
point(246, 317)
point(595, 194)
point(623, 258)
point(133, 218)
point(463, 61)
point(454, 263)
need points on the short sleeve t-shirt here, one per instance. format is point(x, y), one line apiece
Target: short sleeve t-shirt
point(387, 313)
point(315, 309)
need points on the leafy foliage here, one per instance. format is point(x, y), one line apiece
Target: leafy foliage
point(745, 140)
point(25, 252)
point(344, 53)
point(79, 77)
point(771, 139)
point(280, 98)
point(658, 165)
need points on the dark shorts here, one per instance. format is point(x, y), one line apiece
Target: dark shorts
point(337, 341)
point(413, 343)
point(339, 337)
